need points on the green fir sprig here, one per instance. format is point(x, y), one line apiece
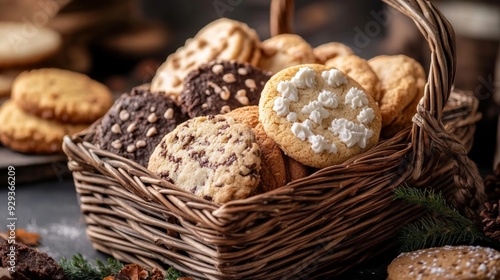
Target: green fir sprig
point(443, 225)
point(78, 268)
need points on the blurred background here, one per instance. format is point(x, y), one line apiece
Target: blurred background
point(122, 42)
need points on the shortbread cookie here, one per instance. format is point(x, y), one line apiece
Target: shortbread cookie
point(402, 82)
point(358, 69)
point(447, 262)
point(327, 51)
point(214, 157)
point(285, 50)
point(136, 123)
point(318, 116)
point(26, 133)
point(221, 86)
point(273, 173)
point(61, 95)
point(23, 44)
point(224, 39)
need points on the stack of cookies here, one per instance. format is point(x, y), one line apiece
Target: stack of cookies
point(47, 104)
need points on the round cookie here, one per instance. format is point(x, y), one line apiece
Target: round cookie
point(273, 173)
point(358, 69)
point(447, 262)
point(327, 51)
point(224, 39)
point(285, 50)
point(61, 95)
point(402, 82)
point(221, 86)
point(136, 123)
point(318, 116)
point(23, 45)
point(213, 157)
point(26, 133)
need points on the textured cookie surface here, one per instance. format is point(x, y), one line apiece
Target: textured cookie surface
point(29, 134)
point(273, 173)
point(327, 51)
point(402, 82)
point(318, 116)
point(221, 86)
point(61, 95)
point(358, 69)
point(213, 157)
point(136, 123)
point(448, 262)
point(22, 45)
point(224, 39)
point(285, 50)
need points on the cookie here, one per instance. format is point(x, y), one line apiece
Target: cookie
point(273, 172)
point(26, 133)
point(295, 170)
point(358, 69)
point(23, 44)
point(318, 116)
point(402, 81)
point(136, 123)
point(447, 262)
point(213, 157)
point(61, 95)
point(6, 79)
point(221, 86)
point(285, 50)
point(223, 39)
point(327, 51)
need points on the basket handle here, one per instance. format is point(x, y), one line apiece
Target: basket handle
point(427, 123)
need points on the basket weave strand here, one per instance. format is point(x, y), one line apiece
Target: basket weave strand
point(317, 226)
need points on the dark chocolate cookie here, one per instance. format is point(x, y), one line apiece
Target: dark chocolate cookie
point(136, 123)
point(218, 87)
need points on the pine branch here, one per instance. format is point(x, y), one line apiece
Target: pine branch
point(172, 274)
point(78, 268)
point(443, 226)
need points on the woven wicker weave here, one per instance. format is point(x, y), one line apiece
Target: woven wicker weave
point(320, 225)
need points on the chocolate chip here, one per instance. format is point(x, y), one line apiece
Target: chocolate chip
point(169, 114)
point(242, 71)
point(230, 160)
point(152, 118)
point(250, 83)
point(207, 197)
point(116, 129)
point(216, 88)
point(229, 78)
point(151, 132)
point(140, 144)
point(124, 115)
point(225, 94)
point(217, 68)
point(116, 144)
point(131, 148)
point(225, 109)
point(132, 127)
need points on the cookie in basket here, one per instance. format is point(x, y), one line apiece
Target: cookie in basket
point(318, 116)
point(447, 262)
point(221, 86)
point(27, 133)
point(23, 46)
point(213, 157)
point(358, 69)
point(224, 39)
point(136, 123)
point(61, 95)
point(402, 82)
point(285, 50)
point(327, 51)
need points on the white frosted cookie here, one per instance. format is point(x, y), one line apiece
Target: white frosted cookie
point(318, 116)
point(223, 39)
point(214, 157)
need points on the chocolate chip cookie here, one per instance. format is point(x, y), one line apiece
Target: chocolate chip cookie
point(136, 123)
point(213, 157)
point(221, 86)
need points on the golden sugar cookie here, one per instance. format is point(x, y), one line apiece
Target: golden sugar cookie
point(61, 95)
point(26, 133)
point(327, 51)
point(318, 116)
point(285, 50)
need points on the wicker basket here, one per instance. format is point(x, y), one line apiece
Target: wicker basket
point(320, 225)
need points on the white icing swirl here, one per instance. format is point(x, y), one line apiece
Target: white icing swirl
point(328, 99)
point(334, 77)
point(281, 106)
point(319, 144)
point(350, 133)
point(356, 97)
point(302, 130)
point(291, 117)
point(316, 111)
point(366, 115)
point(305, 78)
point(288, 90)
